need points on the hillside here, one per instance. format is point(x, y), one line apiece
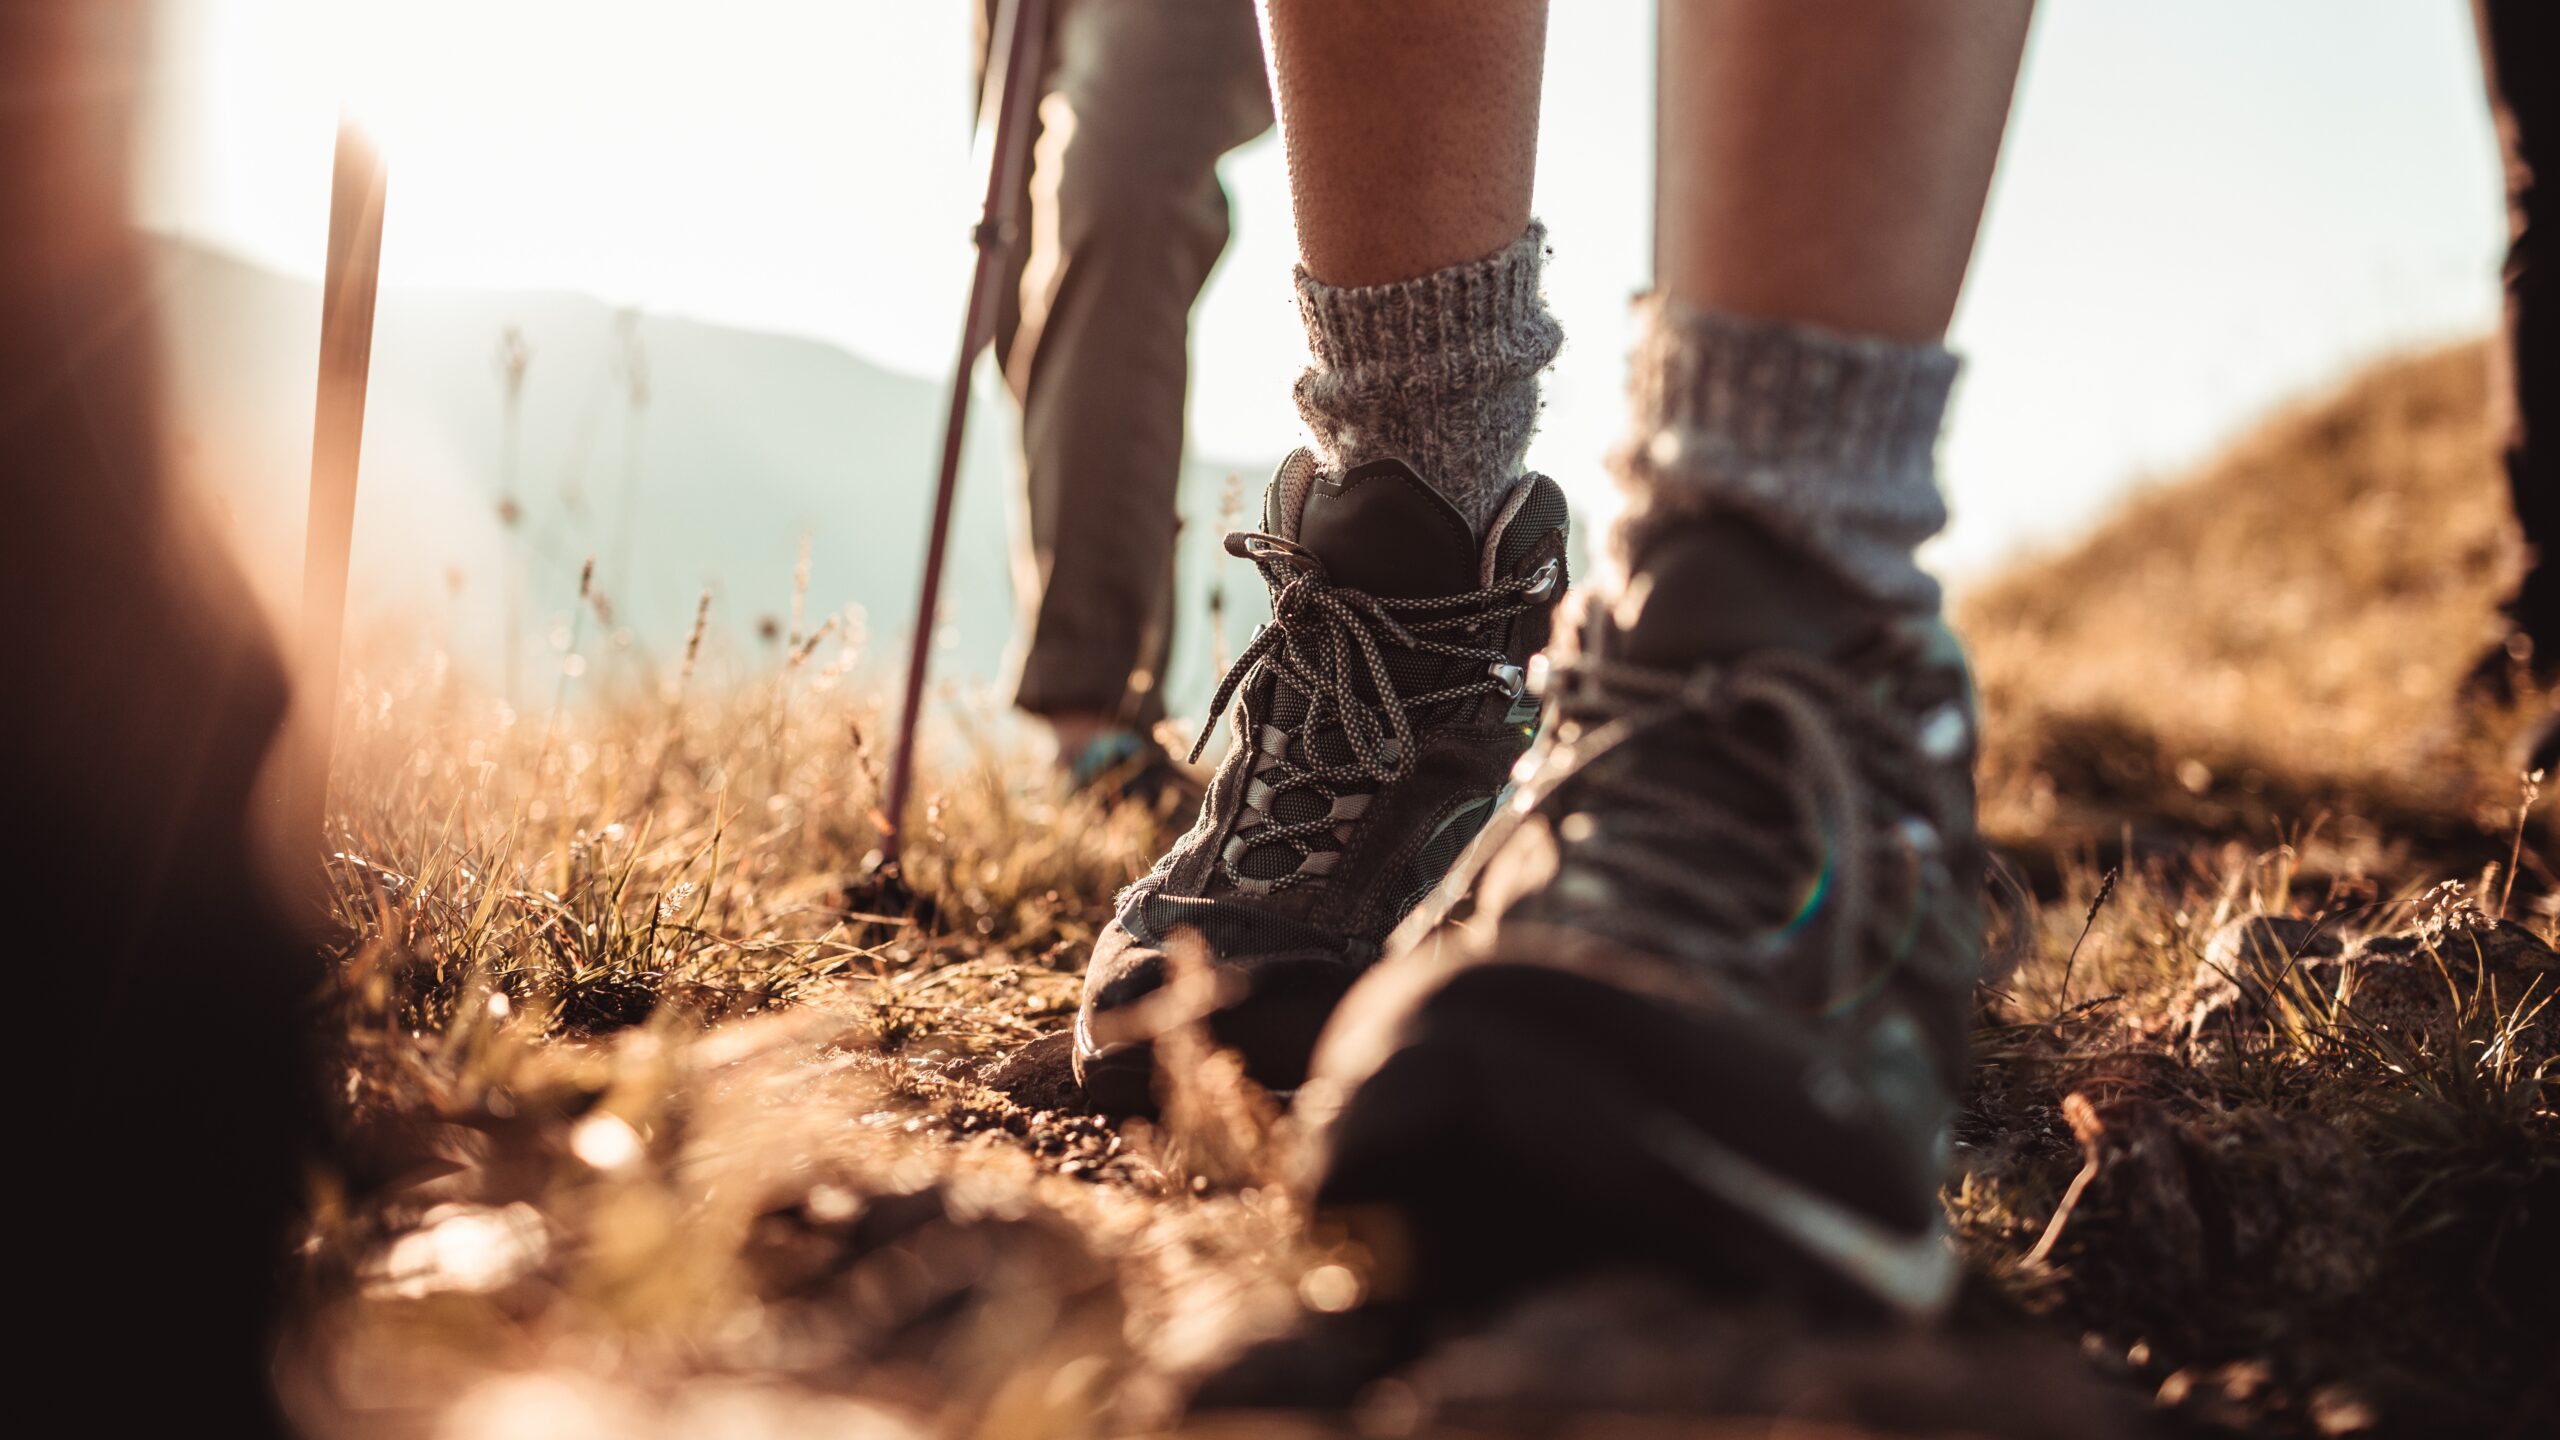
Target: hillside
point(731, 448)
point(2275, 639)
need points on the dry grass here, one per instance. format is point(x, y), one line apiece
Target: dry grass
point(2269, 641)
point(646, 1133)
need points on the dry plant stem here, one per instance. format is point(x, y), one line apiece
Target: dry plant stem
point(799, 592)
point(1411, 130)
point(1223, 1127)
point(2106, 891)
point(560, 689)
point(2532, 791)
point(514, 358)
point(635, 415)
point(2076, 1110)
point(793, 648)
point(674, 733)
point(1826, 161)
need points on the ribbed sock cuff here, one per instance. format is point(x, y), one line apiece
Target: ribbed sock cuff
point(1827, 440)
point(1440, 372)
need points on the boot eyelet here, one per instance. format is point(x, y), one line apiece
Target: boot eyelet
point(1542, 581)
point(1944, 732)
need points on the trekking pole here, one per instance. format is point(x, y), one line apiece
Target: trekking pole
point(1012, 87)
point(350, 285)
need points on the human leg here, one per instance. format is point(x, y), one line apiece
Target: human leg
point(1822, 177)
point(1126, 221)
point(1412, 565)
point(1412, 138)
point(1717, 1017)
point(2517, 38)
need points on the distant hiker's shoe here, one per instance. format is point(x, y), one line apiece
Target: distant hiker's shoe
point(2526, 657)
point(2539, 751)
point(2516, 664)
point(1128, 767)
point(1711, 1011)
point(1378, 717)
point(2521, 673)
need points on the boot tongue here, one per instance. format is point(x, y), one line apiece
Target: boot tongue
point(1724, 588)
point(1383, 529)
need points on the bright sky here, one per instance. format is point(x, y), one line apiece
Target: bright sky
point(2205, 206)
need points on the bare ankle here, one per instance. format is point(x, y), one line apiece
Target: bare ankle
point(1075, 734)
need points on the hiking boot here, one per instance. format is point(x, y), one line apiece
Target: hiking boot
point(1711, 1012)
point(2512, 666)
point(2538, 750)
point(2520, 672)
point(1378, 716)
point(1128, 767)
point(2525, 657)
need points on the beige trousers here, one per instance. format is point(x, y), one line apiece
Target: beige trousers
point(1125, 221)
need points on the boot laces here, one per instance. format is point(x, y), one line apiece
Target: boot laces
point(1329, 643)
point(1830, 801)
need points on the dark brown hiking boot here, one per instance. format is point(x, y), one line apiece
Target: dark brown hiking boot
point(2516, 681)
point(1711, 1012)
point(2538, 752)
point(1378, 717)
point(2525, 656)
point(2514, 665)
point(1128, 767)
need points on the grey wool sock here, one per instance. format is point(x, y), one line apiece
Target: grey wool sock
point(1439, 372)
point(1829, 441)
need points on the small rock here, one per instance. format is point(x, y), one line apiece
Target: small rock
point(2417, 982)
point(1041, 1076)
point(2245, 963)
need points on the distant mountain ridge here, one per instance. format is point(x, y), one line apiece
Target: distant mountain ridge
point(718, 449)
